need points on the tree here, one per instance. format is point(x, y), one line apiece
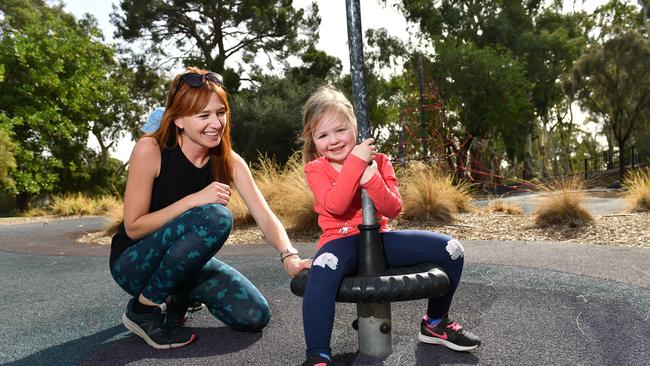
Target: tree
point(536, 35)
point(7, 159)
point(612, 81)
point(489, 92)
point(56, 76)
point(208, 33)
point(267, 117)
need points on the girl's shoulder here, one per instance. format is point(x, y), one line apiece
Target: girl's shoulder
point(317, 164)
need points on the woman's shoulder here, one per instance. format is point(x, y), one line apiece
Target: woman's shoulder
point(239, 165)
point(237, 160)
point(146, 147)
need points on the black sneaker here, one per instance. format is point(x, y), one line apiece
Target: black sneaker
point(449, 334)
point(154, 328)
point(180, 307)
point(317, 360)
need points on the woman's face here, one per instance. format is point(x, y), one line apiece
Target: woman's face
point(334, 137)
point(206, 127)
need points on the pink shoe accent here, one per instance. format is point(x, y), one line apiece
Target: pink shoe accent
point(441, 336)
point(321, 364)
point(454, 326)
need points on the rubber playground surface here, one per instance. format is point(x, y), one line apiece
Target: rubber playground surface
point(531, 303)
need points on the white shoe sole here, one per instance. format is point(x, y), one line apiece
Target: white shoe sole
point(133, 327)
point(197, 308)
point(442, 342)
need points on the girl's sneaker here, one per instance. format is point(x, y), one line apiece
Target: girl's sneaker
point(449, 334)
point(155, 329)
point(317, 360)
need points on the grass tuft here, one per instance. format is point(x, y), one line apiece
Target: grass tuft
point(286, 192)
point(297, 204)
point(115, 217)
point(637, 183)
point(502, 206)
point(80, 204)
point(429, 195)
point(240, 214)
point(562, 205)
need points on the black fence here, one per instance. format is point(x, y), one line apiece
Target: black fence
point(610, 163)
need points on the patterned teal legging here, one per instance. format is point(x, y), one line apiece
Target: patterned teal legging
point(179, 258)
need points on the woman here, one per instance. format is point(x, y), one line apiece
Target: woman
point(176, 219)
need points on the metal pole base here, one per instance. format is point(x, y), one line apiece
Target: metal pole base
point(374, 329)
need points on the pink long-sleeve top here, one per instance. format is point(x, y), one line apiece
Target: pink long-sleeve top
point(337, 195)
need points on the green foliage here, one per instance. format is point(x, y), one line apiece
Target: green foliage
point(612, 81)
point(488, 89)
point(60, 83)
point(268, 118)
point(207, 33)
point(7, 159)
point(543, 43)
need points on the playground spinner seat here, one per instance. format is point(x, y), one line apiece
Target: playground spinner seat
point(415, 282)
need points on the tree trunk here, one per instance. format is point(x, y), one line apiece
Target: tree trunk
point(621, 160)
point(23, 201)
point(462, 160)
point(528, 159)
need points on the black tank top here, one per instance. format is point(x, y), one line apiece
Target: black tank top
point(178, 178)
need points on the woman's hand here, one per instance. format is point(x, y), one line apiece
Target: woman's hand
point(365, 150)
point(369, 172)
point(293, 265)
point(215, 192)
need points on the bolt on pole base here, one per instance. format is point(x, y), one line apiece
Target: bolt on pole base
point(374, 322)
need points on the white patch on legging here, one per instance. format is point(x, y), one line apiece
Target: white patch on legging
point(326, 259)
point(455, 249)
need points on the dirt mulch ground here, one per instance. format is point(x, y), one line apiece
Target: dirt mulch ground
point(617, 229)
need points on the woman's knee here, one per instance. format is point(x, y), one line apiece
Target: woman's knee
point(259, 317)
point(251, 318)
point(219, 216)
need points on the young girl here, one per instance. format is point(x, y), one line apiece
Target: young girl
point(336, 170)
point(175, 220)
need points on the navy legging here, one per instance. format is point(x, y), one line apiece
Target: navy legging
point(339, 258)
point(179, 258)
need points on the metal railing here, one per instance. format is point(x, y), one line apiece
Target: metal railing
point(610, 163)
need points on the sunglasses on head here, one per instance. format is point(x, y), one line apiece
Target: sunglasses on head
point(195, 80)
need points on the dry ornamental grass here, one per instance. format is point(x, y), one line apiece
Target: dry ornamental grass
point(637, 184)
point(431, 202)
point(562, 204)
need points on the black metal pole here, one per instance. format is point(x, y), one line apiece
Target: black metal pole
point(374, 319)
point(371, 253)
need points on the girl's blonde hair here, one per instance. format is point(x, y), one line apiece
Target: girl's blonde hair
point(189, 101)
point(325, 100)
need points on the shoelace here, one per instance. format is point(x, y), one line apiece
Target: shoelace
point(454, 326)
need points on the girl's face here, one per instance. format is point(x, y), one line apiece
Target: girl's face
point(205, 128)
point(334, 137)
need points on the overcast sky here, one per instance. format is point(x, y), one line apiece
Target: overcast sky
point(333, 29)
